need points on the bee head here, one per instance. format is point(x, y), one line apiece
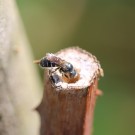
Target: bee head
point(72, 73)
point(67, 67)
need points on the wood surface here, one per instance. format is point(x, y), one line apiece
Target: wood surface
point(69, 110)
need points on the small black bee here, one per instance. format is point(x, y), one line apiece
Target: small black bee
point(66, 69)
point(55, 79)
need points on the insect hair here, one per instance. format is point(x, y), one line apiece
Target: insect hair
point(57, 60)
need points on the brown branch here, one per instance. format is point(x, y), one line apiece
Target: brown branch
point(68, 110)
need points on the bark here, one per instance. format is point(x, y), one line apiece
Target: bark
point(19, 82)
point(68, 109)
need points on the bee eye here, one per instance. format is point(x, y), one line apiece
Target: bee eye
point(67, 67)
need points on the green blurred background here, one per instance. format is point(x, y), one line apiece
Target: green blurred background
point(106, 28)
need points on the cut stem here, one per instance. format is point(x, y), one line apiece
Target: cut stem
point(69, 109)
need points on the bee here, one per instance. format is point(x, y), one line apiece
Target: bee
point(55, 80)
point(69, 74)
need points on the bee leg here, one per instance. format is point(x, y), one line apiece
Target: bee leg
point(55, 70)
point(66, 75)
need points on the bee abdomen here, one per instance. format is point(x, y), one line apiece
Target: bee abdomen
point(47, 63)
